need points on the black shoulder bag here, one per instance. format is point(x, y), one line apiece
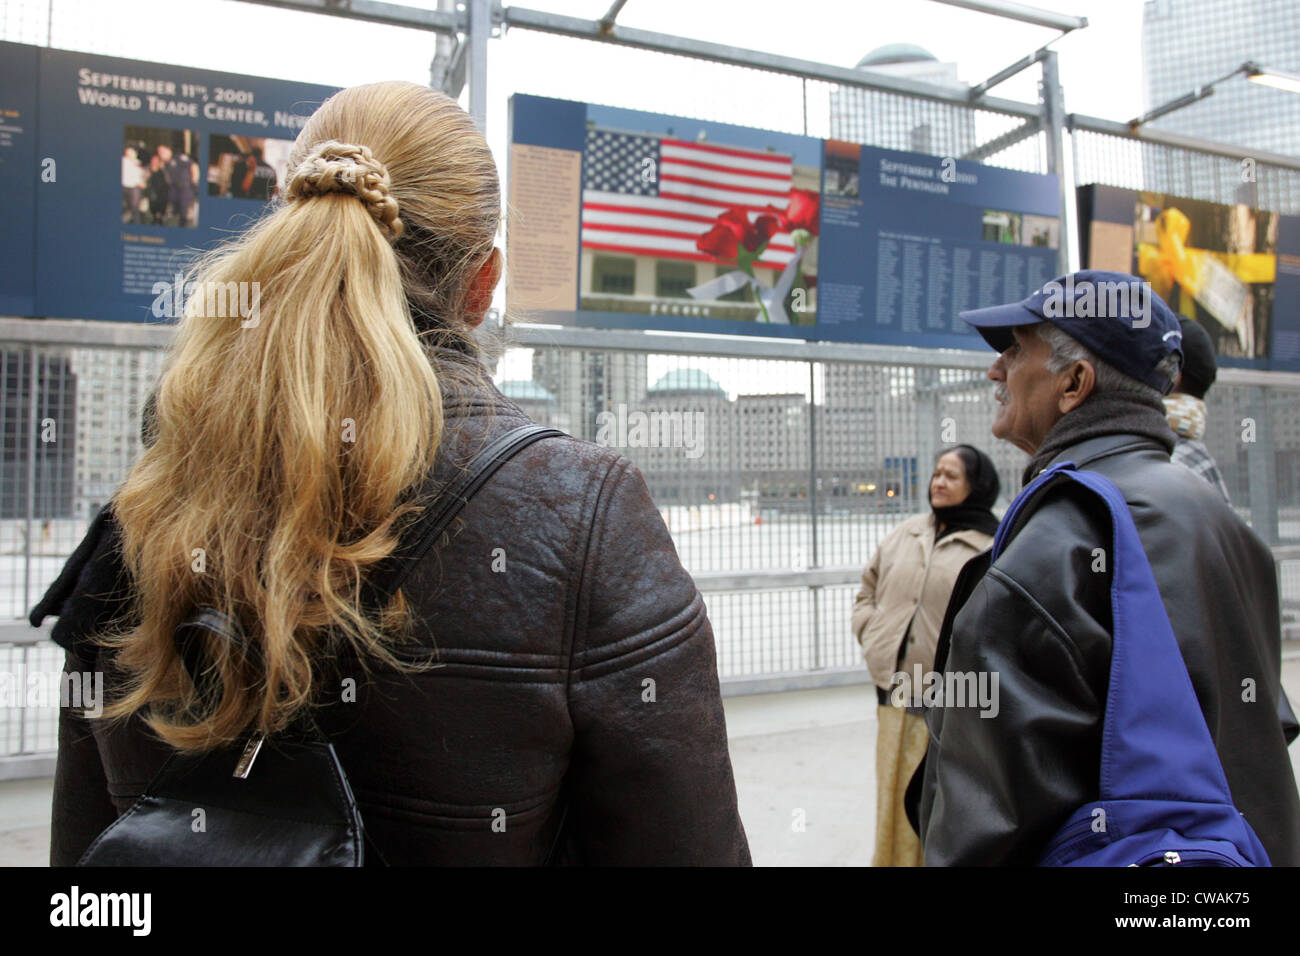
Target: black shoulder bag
point(283, 801)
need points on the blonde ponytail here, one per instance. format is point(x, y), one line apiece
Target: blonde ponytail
point(289, 443)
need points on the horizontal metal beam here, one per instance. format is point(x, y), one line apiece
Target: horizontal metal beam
point(369, 11)
point(1257, 377)
point(555, 23)
point(21, 632)
point(1187, 99)
point(34, 766)
point(768, 580)
point(1008, 139)
point(742, 346)
point(962, 387)
point(1094, 124)
point(540, 20)
point(1001, 76)
point(82, 333)
point(607, 21)
point(1022, 12)
point(561, 25)
point(797, 680)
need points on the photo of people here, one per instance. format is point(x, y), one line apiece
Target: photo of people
point(842, 172)
point(1001, 227)
point(160, 178)
point(1042, 231)
point(247, 167)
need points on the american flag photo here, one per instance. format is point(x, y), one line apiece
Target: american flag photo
point(656, 196)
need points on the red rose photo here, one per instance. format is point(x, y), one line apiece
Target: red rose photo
point(698, 228)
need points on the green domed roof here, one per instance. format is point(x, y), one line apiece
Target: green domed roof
point(525, 390)
point(687, 380)
point(895, 53)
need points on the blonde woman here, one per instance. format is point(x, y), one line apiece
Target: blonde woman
point(281, 467)
point(897, 616)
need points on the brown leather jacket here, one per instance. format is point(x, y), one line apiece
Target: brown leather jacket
point(542, 706)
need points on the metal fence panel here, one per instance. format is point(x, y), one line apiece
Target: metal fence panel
point(1116, 160)
point(778, 467)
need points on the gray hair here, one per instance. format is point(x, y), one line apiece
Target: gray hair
point(1065, 351)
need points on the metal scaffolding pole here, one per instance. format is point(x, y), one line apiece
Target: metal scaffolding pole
point(1054, 125)
point(1022, 12)
point(393, 14)
point(480, 29)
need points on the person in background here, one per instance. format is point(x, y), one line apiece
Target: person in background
point(182, 185)
point(1185, 406)
point(896, 618)
point(133, 181)
point(259, 176)
point(239, 173)
point(156, 191)
point(253, 177)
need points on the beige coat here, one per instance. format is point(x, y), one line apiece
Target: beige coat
point(909, 581)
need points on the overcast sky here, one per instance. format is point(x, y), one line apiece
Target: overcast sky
point(1100, 66)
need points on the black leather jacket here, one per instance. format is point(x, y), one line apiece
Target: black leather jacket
point(996, 790)
point(552, 608)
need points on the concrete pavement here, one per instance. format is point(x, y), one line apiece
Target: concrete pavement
point(800, 757)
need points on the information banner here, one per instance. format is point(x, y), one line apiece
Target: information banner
point(625, 219)
point(117, 172)
point(1233, 268)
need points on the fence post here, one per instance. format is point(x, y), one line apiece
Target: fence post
point(1261, 458)
point(812, 463)
point(815, 560)
point(33, 355)
point(929, 426)
point(480, 29)
point(1053, 116)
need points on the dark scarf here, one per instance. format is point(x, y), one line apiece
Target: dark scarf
point(974, 512)
point(1110, 413)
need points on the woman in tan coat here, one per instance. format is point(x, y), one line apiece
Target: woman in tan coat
point(896, 619)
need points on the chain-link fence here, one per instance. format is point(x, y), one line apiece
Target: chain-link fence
point(777, 478)
point(1229, 177)
point(787, 462)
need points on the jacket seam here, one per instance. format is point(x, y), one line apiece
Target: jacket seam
point(665, 630)
point(649, 650)
point(1134, 443)
point(1053, 626)
point(423, 807)
point(579, 597)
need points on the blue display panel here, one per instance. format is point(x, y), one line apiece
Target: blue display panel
point(117, 172)
point(697, 226)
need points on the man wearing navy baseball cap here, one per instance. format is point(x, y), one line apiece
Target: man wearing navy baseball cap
point(1082, 366)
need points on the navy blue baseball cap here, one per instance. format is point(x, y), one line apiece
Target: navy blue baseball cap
point(1114, 315)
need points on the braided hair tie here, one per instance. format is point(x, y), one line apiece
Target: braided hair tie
point(334, 167)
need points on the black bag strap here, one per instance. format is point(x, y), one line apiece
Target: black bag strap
point(383, 583)
point(388, 576)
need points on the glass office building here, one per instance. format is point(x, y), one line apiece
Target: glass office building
point(1188, 43)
